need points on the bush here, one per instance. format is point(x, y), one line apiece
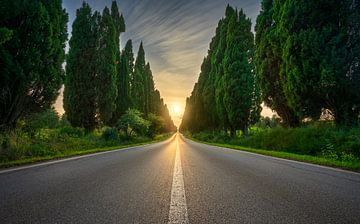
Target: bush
point(316, 139)
point(157, 125)
point(110, 134)
point(48, 119)
point(131, 123)
point(73, 132)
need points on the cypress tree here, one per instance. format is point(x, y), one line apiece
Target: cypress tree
point(138, 81)
point(238, 72)
point(106, 68)
point(149, 90)
point(30, 58)
point(123, 100)
point(220, 79)
point(80, 92)
point(268, 62)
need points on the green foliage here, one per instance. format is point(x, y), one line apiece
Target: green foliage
point(157, 125)
point(110, 134)
point(80, 93)
point(5, 35)
point(48, 119)
point(125, 73)
point(320, 62)
point(106, 76)
point(33, 36)
point(226, 95)
point(321, 140)
point(69, 131)
point(138, 81)
point(132, 123)
point(268, 62)
point(18, 146)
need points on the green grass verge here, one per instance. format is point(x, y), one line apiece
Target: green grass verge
point(353, 165)
point(67, 154)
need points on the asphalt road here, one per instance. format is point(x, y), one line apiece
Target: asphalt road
point(181, 181)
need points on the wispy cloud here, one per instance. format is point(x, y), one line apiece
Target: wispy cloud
point(176, 36)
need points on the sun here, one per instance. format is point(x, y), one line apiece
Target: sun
point(176, 109)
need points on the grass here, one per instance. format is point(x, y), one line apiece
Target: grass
point(351, 164)
point(78, 152)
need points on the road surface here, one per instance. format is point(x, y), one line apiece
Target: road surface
point(178, 181)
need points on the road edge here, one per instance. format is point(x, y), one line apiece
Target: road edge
point(46, 162)
point(248, 151)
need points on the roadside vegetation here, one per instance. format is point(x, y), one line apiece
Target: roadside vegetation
point(304, 66)
point(317, 142)
point(110, 99)
point(45, 136)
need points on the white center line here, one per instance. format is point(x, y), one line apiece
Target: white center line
point(178, 209)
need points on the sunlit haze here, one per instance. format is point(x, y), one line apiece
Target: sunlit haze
point(176, 36)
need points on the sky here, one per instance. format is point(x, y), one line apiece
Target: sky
point(176, 36)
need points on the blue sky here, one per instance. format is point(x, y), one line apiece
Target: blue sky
point(176, 36)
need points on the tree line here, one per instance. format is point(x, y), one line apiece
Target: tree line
point(226, 96)
point(102, 82)
point(305, 61)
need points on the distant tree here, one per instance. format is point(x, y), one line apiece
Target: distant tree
point(106, 68)
point(268, 63)
point(31, 55)
point(80, 93)
point(149, 90)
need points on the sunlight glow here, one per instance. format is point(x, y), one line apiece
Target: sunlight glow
point(176, 109)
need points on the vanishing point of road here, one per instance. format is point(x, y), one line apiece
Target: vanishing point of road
point(178, 181)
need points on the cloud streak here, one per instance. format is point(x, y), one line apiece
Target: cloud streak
point(176, 36)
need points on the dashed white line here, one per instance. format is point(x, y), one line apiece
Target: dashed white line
point(178, 209)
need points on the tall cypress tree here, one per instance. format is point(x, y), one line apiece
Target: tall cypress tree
point(31, 55)
point(238, 72)
point(123, 100)
point(80, 92)
point(149, 90)
point(268, 62)
point(106, 68)
point(138, 81)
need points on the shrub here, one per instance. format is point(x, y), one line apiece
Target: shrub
point(157, 125)
point(73, 132)
point(318, 139)
point(132, 123)
point(47, 119)
point(110, 134)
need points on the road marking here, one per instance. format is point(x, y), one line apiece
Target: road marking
point(178, 209)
